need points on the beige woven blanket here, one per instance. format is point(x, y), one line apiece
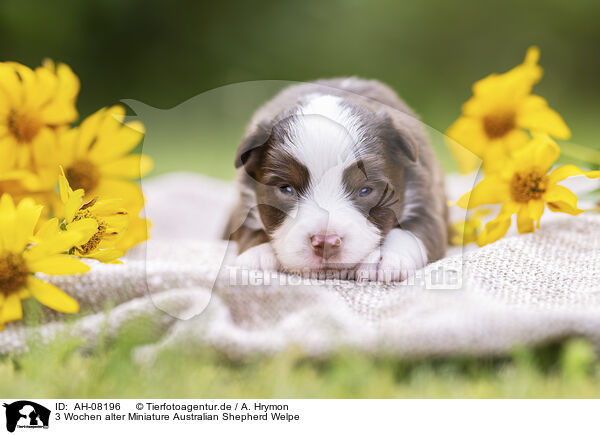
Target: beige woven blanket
point(521, 290)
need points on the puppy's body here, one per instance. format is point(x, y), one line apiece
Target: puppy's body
point(338, 174)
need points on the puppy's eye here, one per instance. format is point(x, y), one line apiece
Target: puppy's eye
point(365, 191)
point(287, 190)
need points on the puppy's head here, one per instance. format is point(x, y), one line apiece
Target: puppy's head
point(328, 181)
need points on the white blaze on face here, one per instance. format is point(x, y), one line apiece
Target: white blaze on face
point(325, 139)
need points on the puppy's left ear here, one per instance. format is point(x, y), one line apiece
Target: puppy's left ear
point(401, 139)
point(250, 150)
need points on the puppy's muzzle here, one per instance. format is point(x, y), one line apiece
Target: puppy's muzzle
point(325, 245)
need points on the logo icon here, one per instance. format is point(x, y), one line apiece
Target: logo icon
point(26, 414)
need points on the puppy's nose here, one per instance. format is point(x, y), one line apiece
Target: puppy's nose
point(326, 245)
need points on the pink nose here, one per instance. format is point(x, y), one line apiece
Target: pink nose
point(326, 245)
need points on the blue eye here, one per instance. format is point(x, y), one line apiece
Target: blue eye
point(287, 190)
point(365, 191)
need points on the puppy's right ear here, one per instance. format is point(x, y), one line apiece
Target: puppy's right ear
point(399, 138)
point(251, 149)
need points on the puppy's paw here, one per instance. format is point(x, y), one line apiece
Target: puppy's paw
point(260, 257)
point(402, 253)
point(384, 266)
point(367, 269)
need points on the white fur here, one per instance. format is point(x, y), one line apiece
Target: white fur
point(325, 139)
point(325, 135)
point(400, 254)
point(260, 257)
point(292, 239)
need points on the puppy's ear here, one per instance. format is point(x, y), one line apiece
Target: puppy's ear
point(399, 138)
point(250, 150)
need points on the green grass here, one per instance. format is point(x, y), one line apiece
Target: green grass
point(105, 370)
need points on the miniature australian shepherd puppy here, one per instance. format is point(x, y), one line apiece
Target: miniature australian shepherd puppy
point(338, 175)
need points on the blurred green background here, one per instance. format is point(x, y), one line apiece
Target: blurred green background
point(163, 53)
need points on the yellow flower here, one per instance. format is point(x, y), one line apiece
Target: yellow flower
point(493, 121)
point(96, 157)
point(137, 232)
point(466, 231)
point(108, 217)
point(32, 104)
point(525, 187)
point(22, 255)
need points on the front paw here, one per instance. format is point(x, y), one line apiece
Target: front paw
point(260, 257)
point(384, 266)
point(401, 254)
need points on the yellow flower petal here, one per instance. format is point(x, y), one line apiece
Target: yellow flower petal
point(58, 265)
point(496, 158)
point(73, 204)
point(535, 115)
point(491, 190)
point(87, 131)
point(566, 171)
point(536, 210)
point(63, 186)
point(46, 153)
point(26, 179)
point(72, 200)
point(11, 310)
point(56, 244)
point(478, 214)
point(561, 199)
point(117, 222)
point(515, 139)
point(466, 135)
point(524, 221)
point(129, 192)
point(129, 166)
point(137, 232)
point(27, 215)
point(7, 222)
point(61, 108)
point(10, 84)
point(48, 229)
point(115, 139)
point(51, 296)
point(562, 207)
point(108, 207)
point(106, 255)
point(494, 230)
point(497, 228)
point(8, 156)
point(85, 227)
point(509, 88)
point(466, 161)
point(532, 57)
point(541, 152)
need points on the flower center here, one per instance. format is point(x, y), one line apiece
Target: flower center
point(527, 186)
point(95, 240)
point(13, 272)
point(498, 124)
point(23, 126)
point(83, 174)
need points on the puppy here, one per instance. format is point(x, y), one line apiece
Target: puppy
point(338, 175)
